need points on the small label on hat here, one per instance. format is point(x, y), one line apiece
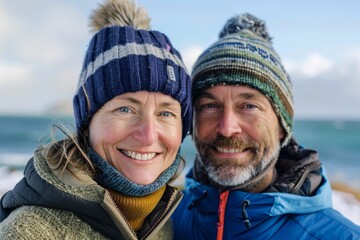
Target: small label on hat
point(171, 73)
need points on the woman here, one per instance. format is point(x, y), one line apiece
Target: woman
point(132, 111)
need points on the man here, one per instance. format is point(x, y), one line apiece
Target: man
point(250, 179)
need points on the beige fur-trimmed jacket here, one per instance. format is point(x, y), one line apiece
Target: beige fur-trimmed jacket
point(48, 205)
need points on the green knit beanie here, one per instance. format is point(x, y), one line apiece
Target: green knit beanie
point(244, 55)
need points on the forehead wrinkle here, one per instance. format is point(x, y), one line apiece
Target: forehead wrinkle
point(132, 100)
point(244, 95)
point(206, 94)
point(256, 96)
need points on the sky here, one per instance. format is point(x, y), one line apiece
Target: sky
point(42, 45)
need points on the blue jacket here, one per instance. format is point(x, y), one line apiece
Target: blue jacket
point(268, 215)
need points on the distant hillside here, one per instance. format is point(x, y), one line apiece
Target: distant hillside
point(63, 108)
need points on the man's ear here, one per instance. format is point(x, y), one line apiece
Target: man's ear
point(281, 132)
point(192, 124)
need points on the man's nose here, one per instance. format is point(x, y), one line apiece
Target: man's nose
point(229, 123)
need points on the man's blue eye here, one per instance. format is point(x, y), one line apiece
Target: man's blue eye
point(249, 106)
point(165, 114)
point(210, 105)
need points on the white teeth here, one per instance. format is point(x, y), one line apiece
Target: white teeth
point(228, 150)
point(139, 156)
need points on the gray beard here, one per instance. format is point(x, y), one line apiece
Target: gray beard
point(231, 176)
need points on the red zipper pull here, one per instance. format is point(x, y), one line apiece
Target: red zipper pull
point(221, 214)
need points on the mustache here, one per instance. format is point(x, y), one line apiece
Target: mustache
point(235, 142)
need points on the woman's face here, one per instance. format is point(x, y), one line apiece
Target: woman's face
point(139, 134)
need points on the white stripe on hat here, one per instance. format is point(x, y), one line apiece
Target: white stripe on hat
point(122, 51)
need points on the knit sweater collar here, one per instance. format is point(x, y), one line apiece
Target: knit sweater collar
point(111, 178)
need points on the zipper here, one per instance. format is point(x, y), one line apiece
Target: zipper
point(171, 200)
point(221, 215)
point(123, 216)
point(310, 168)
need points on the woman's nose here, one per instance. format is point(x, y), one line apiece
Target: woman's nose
point(146, 132)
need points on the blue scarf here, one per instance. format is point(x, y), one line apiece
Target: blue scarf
point(111, 178)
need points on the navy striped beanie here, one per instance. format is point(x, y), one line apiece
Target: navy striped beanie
point(122, 59)
point(244, 55)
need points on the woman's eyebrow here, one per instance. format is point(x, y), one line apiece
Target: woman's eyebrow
point(130, 99)
point(138, 102)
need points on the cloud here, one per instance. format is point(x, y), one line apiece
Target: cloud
point(314, 65)
point(42, 44)
point(14, 74)
point(53, 40)
point(325, 88)
point(190, 55)
point(4, 23)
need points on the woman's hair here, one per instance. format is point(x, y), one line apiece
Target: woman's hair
point(71, 151)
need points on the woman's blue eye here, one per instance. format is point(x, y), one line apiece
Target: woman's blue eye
point(124, 109)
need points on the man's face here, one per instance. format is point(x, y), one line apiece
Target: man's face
point(236, 133)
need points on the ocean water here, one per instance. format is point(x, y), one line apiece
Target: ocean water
point(338, 143)
point(20, 135)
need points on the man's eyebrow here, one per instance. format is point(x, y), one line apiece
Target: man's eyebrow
point(207, 95)
point(245, 95)
point(168, 104)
